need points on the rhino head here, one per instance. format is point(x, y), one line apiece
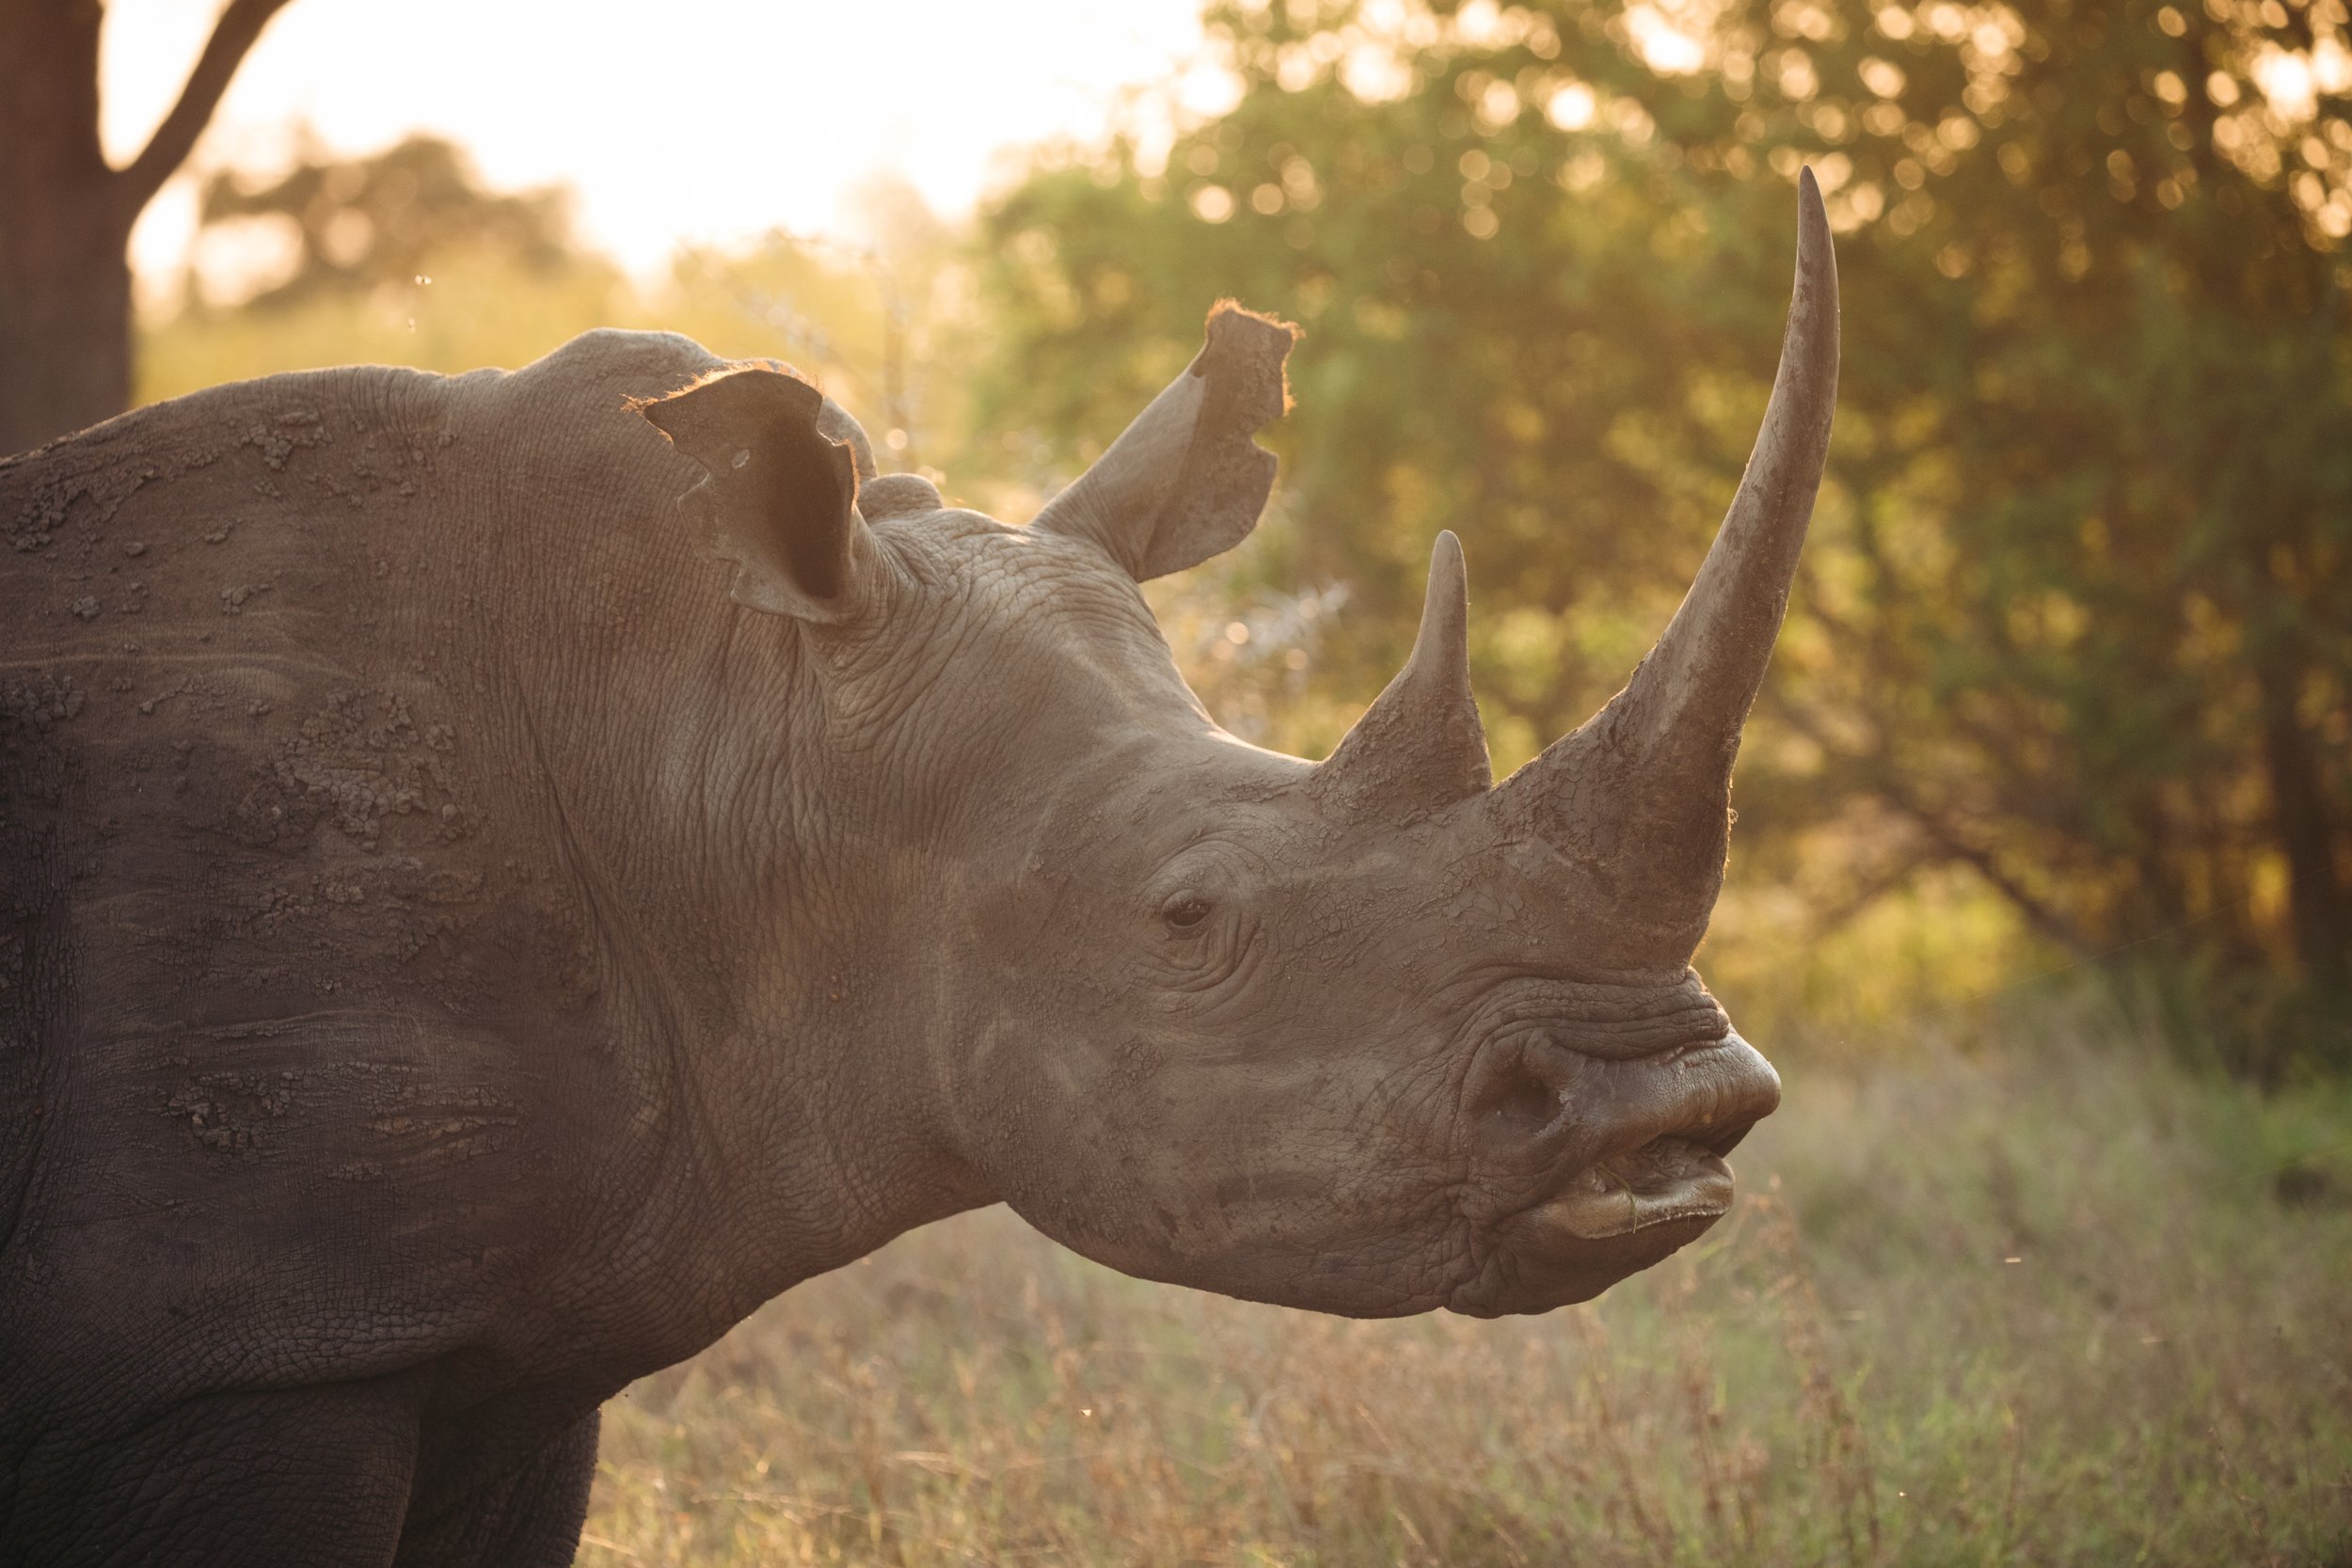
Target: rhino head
point(1370, 1036)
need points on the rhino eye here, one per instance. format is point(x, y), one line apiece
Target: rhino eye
point(1185, 911)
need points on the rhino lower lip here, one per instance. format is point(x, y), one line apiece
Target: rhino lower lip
point(1666, 1179)
point(1614, 1218)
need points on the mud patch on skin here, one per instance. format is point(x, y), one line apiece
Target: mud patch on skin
point(385, 885)
point(86, 482)
point(464, 1125)
point(286, 447)
point(236, 1101)
point(432, 1122)
point(43, 700)
point(230, 1113)
point(97, 491)
point(361, 760)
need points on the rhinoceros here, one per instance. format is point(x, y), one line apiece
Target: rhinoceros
point(505, 874)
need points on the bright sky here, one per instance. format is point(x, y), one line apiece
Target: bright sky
point(675, 120)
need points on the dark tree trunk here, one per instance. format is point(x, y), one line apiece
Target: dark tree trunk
point(65, 328)
point(66, 214)
point(65, 283)
point(2317, 900)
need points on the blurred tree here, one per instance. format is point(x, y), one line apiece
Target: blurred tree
point(2078, 612)
point(361, 223)
point(875, 321)
point(66, 214)
point(399, 257)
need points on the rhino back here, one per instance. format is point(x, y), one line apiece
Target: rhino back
point(279, 856)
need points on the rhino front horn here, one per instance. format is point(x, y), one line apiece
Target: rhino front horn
point(1638, 799)
point(1420, 747)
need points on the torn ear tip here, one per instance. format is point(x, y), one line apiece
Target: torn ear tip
point(755, 377)
point(1233, 307)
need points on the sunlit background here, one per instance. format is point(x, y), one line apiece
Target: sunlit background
point(700, 122)
point(2042, 886)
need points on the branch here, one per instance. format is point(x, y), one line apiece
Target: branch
point(232, 37)
point(2038, 914)
point(1888, 782)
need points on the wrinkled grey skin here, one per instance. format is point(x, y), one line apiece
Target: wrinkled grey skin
point(475, 927)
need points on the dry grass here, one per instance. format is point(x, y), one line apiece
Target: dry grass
point(2077, 1308)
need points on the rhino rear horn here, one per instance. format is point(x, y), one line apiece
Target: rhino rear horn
point(782, 465)
point(1185, 482)
point(1420, 747)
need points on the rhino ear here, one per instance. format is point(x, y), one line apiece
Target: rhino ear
point(1185, 482)
point(781, 488)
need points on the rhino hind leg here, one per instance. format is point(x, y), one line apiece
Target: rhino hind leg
point(317, 1475)
point(522, 1519)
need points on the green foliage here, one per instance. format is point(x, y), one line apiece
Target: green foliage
point(2077, 621)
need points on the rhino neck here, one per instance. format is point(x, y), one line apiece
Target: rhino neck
point(759, 898)
point(739, 865)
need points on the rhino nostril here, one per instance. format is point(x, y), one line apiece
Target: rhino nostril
point(1524, 1092)
point(1517, 1105)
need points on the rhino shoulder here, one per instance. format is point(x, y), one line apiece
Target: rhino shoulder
point(612, 366)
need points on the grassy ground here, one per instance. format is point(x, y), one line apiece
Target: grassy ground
point(2063, 1306)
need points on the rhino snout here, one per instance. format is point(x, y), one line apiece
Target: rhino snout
point(1592, 1168)
point(1537, 1098)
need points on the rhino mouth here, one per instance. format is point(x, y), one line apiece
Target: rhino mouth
point(1628, 1199)
point(1611, 1220)
point(1666, 1180)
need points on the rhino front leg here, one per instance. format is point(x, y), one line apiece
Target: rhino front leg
point(522, 1519)
point(317, 1475)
